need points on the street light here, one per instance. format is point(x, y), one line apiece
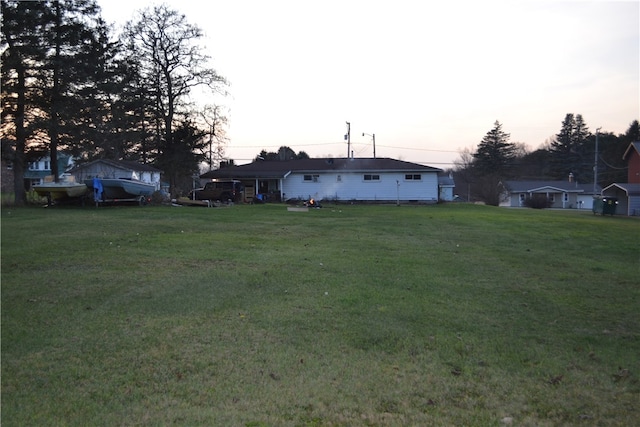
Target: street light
point(373, 136)
point(595, 165)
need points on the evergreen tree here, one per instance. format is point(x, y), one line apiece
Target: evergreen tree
point(495, 154)
point(492, 163)
point(22, 109)
point(70, 29)
point(571, 151)
point(180, 160)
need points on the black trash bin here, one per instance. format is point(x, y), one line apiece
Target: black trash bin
point(605, 205)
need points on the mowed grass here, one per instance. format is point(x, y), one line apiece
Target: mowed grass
point(341, 316)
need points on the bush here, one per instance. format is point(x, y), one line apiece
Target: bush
point(159, 197)
point(537, 201)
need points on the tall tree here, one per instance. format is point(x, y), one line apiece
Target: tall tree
point(572, 151)
point(492, 164)
point(21, 57)
point(182, 158)
point(495, 153)
point(172, 63)
point(69, 62)
point(214, 123)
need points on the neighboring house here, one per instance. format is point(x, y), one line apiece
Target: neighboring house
point(6, 176)
point(628, 194)
point(446, 185)
point(560, 194)
point(105, 168)
point(338, 179)
point(37, 170)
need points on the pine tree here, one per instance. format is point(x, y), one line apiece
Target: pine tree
point(492, 164)
point(571, 151)
point(495, 153)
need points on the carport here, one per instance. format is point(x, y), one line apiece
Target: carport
point(628, 196)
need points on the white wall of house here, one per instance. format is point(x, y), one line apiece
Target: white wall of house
point(370, 186)
point(446, 193)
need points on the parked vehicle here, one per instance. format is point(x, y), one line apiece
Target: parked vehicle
point(222, 190)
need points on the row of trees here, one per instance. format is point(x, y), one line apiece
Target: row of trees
point(69, 84)
point(571, 151)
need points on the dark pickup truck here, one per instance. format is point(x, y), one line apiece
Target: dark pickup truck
point(222, 190)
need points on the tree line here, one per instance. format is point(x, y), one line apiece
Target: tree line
point(572, 151)
point(70, 83)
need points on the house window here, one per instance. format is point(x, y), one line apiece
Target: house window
point(339, 178)
point(552, 197)
point(34, 166)
point(47, 166)
point(370, 177)
point(566, 197)
point(311, 178)
point(413, 177)
point(522, 198)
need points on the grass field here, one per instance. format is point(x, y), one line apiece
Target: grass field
point(448, 315)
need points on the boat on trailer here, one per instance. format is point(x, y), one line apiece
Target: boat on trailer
point(120, 190)
point(65, 189)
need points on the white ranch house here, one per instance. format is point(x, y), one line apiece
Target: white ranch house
point(382, 180)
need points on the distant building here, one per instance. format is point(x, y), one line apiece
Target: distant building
point(628, 193)
point(105, 168)
point(559, 194)
point(37, 170)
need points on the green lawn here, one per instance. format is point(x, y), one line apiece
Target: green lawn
point(443, 315)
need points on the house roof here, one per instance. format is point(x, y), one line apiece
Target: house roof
point(281, 169)
point(548, 186)
point(633, 146)
point(119, 164)
point(630, 189)
point(446, 181)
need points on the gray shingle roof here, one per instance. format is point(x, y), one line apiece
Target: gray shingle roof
point(120, 164)
point(279, 169)
point(541, 186)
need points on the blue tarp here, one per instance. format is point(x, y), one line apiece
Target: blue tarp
point(97, 189)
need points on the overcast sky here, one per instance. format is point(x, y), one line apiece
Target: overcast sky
point(427, 78)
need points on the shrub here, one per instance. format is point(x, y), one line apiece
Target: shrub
point(537, 201)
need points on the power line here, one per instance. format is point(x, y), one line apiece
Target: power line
point(340, 143)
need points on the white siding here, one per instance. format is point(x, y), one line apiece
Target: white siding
point(353, 186)
point(103, 170)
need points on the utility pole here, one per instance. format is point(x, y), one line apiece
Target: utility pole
point(595, 165)
point(348, 138)
point(373, 136)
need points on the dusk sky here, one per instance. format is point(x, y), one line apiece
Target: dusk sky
point(427, 78)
